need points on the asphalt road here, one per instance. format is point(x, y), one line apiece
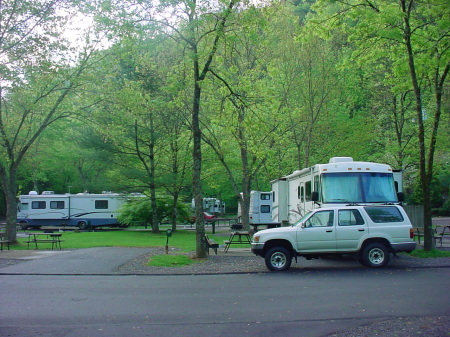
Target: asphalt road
point(310, 303)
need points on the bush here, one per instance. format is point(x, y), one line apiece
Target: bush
point(139, 210)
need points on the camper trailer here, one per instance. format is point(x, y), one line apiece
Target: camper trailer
point(81, 210)
point(211, 205)
point(340, 182)
point(260, 210)
point(260, 207)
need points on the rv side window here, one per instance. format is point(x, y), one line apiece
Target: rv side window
point(57, 204)
point(24, 206)
point(101, 204)
point(265, 209)
point(301, 193)
point(316, 184)
point(38, 204)
point(308, 191)
point(265, 196)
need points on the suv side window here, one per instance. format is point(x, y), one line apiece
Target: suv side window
point(320, 219)
point(381, 214)
point(350, 217)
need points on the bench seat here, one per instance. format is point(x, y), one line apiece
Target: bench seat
point(3, 241)
point(211, 244)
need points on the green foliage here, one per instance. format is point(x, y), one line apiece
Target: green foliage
point(138, 210)
point(296, 84)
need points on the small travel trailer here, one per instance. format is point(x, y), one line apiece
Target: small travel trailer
point(260, 210)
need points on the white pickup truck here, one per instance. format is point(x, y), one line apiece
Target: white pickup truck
point(368, 232)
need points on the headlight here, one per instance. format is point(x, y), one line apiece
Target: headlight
point(256, 238)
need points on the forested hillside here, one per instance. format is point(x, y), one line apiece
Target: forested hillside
point(212, 98)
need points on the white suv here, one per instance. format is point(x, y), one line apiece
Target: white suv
point(368, 232)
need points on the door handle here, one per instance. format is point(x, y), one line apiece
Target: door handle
point(361, 230)
point(329, 231)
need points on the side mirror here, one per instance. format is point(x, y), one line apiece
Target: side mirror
point(302, 225)
point(315, 196)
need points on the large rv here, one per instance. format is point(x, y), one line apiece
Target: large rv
point(342, 181)
point(81, 210)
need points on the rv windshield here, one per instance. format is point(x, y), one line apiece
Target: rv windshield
point(360, 187)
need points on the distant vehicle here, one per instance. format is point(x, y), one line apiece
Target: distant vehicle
point(81, 210)
point(206, 216)
point(211, 205)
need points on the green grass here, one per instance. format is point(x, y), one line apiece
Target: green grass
point(183, 240)
point(170, 261)
point(433, 253)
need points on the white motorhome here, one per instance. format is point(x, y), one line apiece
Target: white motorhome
point(342, 181)
point(260, 210)
point(81, 210)
point(211, 205)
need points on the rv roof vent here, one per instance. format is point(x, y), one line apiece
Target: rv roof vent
point(48, 192)
point(33, 193)
point(340, 160)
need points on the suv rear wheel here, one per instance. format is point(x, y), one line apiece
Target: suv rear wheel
point(375, 255)
point(278, 259)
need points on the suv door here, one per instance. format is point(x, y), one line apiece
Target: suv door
point(350, 229)
point(318, 233)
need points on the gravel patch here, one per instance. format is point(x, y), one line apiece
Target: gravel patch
point(215, 264)
point(434, 326)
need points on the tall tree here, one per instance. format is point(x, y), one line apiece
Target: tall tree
point(413, 34)
point(37, 77)
point(199, 27)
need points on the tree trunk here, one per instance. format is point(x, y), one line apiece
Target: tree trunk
point(10, 191)
point(426, 197)
point(201, 247)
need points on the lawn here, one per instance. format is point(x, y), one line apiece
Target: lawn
point(182, 239)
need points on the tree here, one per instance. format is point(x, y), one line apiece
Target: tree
point(37, 78)
point(414, 36)
point(199, 27)
point(241, 125)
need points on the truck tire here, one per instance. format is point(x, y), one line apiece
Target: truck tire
point(278, 259)
point(375, 255)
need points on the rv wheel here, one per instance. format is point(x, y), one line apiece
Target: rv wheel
point(82, 225)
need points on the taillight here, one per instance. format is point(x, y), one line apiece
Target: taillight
point(411, 233)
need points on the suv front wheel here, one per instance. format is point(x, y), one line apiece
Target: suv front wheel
point(278, 259)
point(375, 255)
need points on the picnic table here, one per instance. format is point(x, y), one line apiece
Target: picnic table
point(237, 238)
point(38, 238)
